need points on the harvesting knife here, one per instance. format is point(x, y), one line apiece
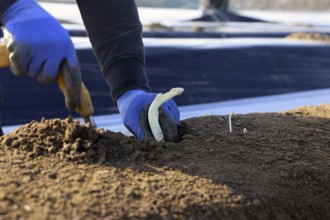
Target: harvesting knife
point(85, 107)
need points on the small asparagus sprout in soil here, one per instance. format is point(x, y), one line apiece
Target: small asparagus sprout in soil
point(153, 111)
point(245, 131)
point(230, 126)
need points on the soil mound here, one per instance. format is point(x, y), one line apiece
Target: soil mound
point(67, 139)
point(271, 166)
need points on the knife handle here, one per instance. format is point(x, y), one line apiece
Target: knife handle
point(85, 107)
point(4, 55)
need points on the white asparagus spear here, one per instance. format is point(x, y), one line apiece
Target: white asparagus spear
point(230, 126)
point(153, 111)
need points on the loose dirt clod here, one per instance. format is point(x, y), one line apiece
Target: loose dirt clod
point(279, 169)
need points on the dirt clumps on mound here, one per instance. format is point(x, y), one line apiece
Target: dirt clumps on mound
point(68, 139)
point(272, 166)
point(321, 111)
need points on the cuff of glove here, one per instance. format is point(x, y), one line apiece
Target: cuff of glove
point(124, 75)
point(128, 97)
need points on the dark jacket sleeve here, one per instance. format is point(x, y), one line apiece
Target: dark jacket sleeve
point(4, 4)
point(115, 32)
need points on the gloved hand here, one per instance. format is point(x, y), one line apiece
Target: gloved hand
point(133, 107)
point(37, 43)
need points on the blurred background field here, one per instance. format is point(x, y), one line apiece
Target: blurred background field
point(295, 5)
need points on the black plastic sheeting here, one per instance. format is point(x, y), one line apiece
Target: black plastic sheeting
point(206, 74)
point(246, 32)
point(209, 34)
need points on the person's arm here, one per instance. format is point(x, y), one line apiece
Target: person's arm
point(115, 32)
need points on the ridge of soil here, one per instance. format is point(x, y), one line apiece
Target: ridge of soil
point(278, 168)
point(317, 37)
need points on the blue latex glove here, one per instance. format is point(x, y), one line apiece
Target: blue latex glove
point(133, 107)
point(37, 43)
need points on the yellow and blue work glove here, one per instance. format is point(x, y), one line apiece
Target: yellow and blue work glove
point(133, 107)
point(38, 45)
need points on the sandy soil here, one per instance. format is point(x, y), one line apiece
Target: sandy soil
point(317, 37)
point(279, 168)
